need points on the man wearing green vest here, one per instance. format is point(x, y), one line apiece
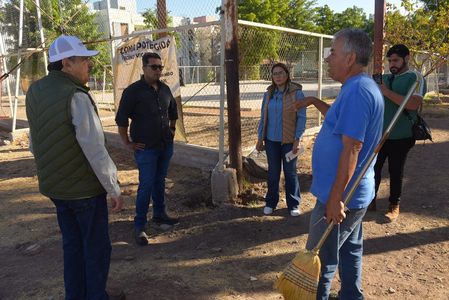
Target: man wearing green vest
point(74, 168)
point(394, 87)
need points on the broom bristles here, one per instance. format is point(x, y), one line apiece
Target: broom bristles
point(299, 281)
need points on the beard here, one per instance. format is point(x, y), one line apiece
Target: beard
point(397, 70)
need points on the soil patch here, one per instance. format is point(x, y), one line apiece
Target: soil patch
point(232, 251)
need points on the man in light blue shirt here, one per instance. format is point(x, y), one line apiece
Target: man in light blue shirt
point(354, 114)
point(352, 128)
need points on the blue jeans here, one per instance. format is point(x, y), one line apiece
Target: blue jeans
point(342, 248)
point(86, 245)
point(153, 168)
point(275, 155)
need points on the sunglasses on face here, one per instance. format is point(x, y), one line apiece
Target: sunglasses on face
point(155, 67)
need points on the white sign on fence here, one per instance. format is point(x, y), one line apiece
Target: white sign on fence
point(128, 63)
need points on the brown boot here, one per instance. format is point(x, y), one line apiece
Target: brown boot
point(393, 212)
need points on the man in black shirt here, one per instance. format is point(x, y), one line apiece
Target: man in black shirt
point(151, 107)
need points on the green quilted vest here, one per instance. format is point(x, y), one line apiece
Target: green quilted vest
point(62, 169)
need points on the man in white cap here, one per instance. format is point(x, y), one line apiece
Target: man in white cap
point(74, 168)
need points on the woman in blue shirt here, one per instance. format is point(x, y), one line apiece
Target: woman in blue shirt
point(279, 132)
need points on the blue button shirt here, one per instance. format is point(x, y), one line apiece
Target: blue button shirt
point(357, 113)
point(274, 120)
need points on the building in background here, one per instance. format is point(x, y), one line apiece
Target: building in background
point(123, 16)
point(198, 51)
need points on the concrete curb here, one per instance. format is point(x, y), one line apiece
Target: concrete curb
point(199, 157)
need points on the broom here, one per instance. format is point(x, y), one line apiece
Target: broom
point(299, 281)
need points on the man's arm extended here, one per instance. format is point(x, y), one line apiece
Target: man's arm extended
point(322, 106)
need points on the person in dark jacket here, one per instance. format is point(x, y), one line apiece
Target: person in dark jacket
point(74, 168)
point(152, 109)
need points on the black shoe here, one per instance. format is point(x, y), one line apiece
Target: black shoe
point(141, 238)
point(165, 219)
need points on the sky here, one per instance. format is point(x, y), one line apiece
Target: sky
point(188, 8)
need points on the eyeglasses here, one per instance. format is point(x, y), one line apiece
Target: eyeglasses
point(155, 67)
point(280, 73)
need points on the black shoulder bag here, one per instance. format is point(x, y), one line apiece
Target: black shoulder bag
point(420, 130)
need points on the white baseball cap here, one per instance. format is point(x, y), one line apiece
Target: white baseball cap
point(67, 46)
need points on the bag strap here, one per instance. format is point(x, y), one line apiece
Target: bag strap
point(405, 112)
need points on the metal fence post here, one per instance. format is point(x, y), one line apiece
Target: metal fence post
point(222, 92)
point(41, 33)
point(320, 76)
point(5, 70)
point(19, 57)
point(112, 44)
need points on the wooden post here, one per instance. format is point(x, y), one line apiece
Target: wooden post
point(161, 16)
point(232, 89)
point(379, 21)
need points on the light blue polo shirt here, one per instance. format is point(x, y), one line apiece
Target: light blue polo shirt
point(274, 119)
point(357, 113)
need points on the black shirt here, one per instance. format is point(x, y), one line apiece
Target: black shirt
point(150, 111)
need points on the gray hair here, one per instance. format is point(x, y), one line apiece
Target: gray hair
point(357, 41)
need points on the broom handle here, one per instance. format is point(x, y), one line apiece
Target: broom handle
point(367, 164)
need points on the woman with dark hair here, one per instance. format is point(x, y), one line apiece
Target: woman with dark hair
point(280, 130)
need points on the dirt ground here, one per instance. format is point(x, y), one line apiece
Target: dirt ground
point(232, 251)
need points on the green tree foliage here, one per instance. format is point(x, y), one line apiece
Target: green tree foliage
point(326, 20)
point(296, 14)
point(433, 4)
point(425, 31)
point(268, 12)
point(150, 18)
point(151, 22)
point(271, 12)
point(329, 22)
point(301, 15)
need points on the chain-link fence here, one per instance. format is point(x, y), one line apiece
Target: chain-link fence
point(27, 27)
point(260, 46)
point(433, 79)
point(198, 50)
